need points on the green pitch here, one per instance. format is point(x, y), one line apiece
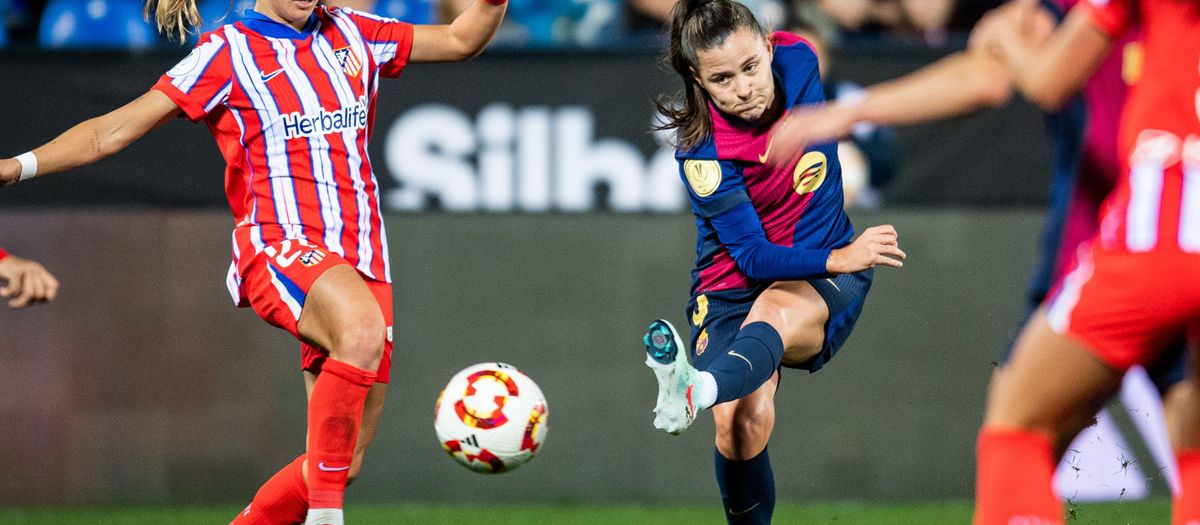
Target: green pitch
point(949, 513)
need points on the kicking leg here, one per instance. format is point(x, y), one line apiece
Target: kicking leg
point(785, 325)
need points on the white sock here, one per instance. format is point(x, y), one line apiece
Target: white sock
point(324, 517)
point(707, 394)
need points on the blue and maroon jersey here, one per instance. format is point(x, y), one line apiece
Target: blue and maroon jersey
point(759, 223)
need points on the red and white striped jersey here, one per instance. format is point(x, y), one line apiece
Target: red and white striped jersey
point(1156, 205)
point(291, 113)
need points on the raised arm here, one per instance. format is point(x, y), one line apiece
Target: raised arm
point(461, 39)
point(92, 139)
point(1048, 72)
point(952, 86)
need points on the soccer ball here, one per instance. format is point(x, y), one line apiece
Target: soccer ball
point(491, 418)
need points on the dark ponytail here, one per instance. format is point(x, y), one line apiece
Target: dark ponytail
point(697, 25)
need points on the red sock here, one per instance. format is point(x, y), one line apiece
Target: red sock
point(282, 500)
point(1186, 506)
point(334, 414)
point(1014, 469)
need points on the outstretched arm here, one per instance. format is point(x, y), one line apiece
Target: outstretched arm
point(1048, 72)
point(952, 86)
point(461, 39)
point(94, 139)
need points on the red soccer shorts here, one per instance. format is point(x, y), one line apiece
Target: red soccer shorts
point(1127, 306)
point(277, 281)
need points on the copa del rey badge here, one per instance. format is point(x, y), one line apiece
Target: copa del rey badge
point(350, 64)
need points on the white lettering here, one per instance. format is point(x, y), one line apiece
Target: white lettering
point(427, 151)
point(531, 159)
point(296, 124)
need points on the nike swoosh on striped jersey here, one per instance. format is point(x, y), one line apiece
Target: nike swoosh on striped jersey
point(268, 76)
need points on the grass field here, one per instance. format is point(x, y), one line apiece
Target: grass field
point(1132, 513)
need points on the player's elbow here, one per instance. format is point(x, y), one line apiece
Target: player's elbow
point(747, 263)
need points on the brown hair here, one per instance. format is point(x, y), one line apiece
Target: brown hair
point(697, 25)
point(175, 18)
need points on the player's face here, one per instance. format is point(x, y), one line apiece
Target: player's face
point(737, 75)
point(291, 12)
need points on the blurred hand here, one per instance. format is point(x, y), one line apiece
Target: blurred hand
point(1024, 20)
point(878, 245)
point(26, 282)
point(807, 125)
point(10, 172)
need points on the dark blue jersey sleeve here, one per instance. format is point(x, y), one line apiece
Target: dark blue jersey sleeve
point(715, 186)
point(741, 232)
point(718, 195)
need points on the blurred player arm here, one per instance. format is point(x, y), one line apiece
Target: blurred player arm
point(1048, 70)
point(25, 282)
point(741, 232)
point(97, 138)
point(955, 85)
point(461, 39)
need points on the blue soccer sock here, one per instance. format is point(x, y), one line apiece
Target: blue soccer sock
point(747, 488)
point(747, 363)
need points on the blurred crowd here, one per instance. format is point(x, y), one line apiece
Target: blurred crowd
point(118, 24)
point(869, 156)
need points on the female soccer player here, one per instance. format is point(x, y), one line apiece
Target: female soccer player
point(289, 94)
point(1133, 287)
point(1083, 135)
point(25, 281)
point(777, 280)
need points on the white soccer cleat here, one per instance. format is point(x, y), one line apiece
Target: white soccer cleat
point(324, 517)
point(677, 378)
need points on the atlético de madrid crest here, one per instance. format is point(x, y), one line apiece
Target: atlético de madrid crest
point(350, 63)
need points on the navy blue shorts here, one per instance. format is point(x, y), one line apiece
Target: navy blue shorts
point(716, 317)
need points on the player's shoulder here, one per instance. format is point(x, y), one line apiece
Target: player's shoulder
point(793, 52)
point(214, 36)
point(329, 12)
point(705, 149)
point(795, 66)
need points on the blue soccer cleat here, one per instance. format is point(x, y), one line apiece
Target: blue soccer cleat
point(677, 378)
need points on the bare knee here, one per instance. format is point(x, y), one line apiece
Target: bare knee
point(360, 343)
point(743, 434)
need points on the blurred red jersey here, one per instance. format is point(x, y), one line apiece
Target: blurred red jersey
point(1136, 287)
point(291, 112)
point(1157, 205)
